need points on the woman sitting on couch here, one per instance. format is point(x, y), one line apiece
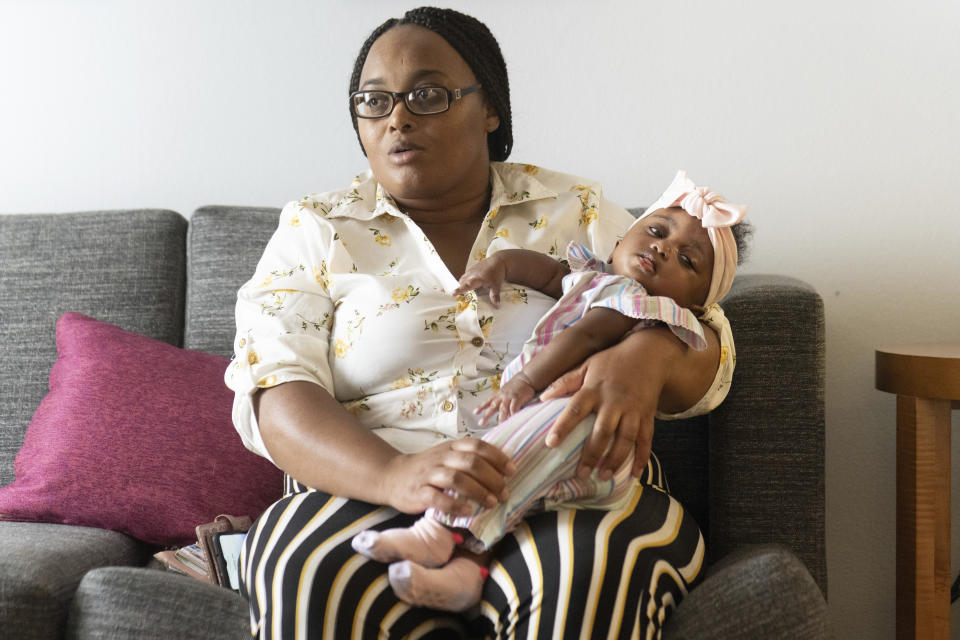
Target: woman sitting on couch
point(357, 369)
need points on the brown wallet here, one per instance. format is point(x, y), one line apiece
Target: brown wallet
point(214, 570)
point(205, 534)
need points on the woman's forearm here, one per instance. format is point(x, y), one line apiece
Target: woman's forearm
point(314, 439)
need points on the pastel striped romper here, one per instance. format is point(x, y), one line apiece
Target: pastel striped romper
point(545, 477)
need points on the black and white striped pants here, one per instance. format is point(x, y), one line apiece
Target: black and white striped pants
point(562, 574)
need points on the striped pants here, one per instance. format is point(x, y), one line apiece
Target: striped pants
point(558, 574)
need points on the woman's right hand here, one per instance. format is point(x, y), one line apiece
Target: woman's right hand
point(475, 470)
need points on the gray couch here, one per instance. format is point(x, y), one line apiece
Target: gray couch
point(751, 472)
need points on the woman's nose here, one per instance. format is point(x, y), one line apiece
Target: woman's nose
point(400, 118)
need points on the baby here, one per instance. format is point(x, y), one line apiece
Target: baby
point(674, 263)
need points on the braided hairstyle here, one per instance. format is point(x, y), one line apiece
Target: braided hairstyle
point(476, 45)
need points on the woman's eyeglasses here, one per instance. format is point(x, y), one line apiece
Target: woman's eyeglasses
point(422, 101)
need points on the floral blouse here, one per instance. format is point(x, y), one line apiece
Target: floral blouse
point(351, 295)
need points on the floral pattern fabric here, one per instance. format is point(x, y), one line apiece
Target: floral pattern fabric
point(350, 294)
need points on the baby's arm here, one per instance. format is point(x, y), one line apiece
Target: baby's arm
point(520, 266)
point(599, 328)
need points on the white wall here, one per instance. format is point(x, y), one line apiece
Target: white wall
point(836, 121)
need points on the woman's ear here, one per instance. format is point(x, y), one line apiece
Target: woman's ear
point(492, 119)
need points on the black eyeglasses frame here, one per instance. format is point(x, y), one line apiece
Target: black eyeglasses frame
point(397, 96)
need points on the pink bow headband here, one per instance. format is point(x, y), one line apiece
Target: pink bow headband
point(717, 216)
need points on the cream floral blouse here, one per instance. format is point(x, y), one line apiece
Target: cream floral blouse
point(351, 295)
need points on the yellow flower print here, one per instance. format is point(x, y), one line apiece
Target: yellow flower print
point(294, 221)
point(486, 323)
point(480, 254)
point(389, 217)
point(356, 407)
point(322, 275)
point(531, 169)
point(400, 294)
point(243, 343)
point(252, 357)
point(266, 383)
point(724, 354)
point(588, 216)
point(494, 382)
point(502, 233)
point(466, 301)
point(381, 238)
point(414, 376)
point(516, 295)
point(340, 348)
point(492, 215)
point(517, 196)
point(266, 282)
point(539, 223)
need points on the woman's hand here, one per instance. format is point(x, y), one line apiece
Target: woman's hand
point(487, 274)
point(625, 385)
point(475, 470)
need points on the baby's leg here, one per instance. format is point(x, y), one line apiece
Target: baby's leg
point(426, 542)
point(539, 468)
point(456, 586)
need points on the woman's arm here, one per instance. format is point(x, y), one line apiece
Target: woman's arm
point(314, 439)
point(520, 266)
point(625, 385)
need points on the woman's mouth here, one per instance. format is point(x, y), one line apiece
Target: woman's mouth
point(401, 153)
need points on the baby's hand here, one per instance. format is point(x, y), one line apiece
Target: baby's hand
point(507, 401)
point(487, 274)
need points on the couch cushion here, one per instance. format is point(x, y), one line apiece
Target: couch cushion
point(135, 436)
point(122, 603)
point(223, 248)
point(41, 566)
point(125, 267)
point(758, 592)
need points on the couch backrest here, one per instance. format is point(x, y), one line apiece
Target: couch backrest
point(124, 267)
point(223, 248)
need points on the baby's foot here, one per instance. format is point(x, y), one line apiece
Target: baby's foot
point(456, 586)
point(427, 543)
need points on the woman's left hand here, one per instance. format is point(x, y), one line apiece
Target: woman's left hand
point(624, 385)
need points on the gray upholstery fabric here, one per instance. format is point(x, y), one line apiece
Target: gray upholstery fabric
point(224, 246)
point(42, 564)
point(763, 592)
point(767, 439)
point(124, 267)
point(121, 603)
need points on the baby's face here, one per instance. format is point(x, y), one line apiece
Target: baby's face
point(670, 254)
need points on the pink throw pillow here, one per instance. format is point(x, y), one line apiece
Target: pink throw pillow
point(135, 436)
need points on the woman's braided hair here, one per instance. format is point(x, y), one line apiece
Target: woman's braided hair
point(477, 46)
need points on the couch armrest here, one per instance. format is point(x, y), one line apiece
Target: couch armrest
point(760, 592)
point(766, 456)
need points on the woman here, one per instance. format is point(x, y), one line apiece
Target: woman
point(357, 370)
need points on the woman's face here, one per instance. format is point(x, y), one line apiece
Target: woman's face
point(425, 157)
point(670, 254)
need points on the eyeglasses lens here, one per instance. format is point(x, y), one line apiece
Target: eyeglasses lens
point(422, 101)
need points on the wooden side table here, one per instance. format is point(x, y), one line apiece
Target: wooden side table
point(926, 379)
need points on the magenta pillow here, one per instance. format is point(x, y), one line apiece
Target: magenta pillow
point(135, 436)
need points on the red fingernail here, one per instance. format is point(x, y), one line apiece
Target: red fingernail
point(457, 538)
point(484, 572)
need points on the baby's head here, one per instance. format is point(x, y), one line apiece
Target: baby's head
point(682, 247)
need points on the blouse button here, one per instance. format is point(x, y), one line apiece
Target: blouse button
point(447, 406)
point(477, 342)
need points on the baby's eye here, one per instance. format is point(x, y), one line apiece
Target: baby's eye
point(686, 261)
point(654, 231)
